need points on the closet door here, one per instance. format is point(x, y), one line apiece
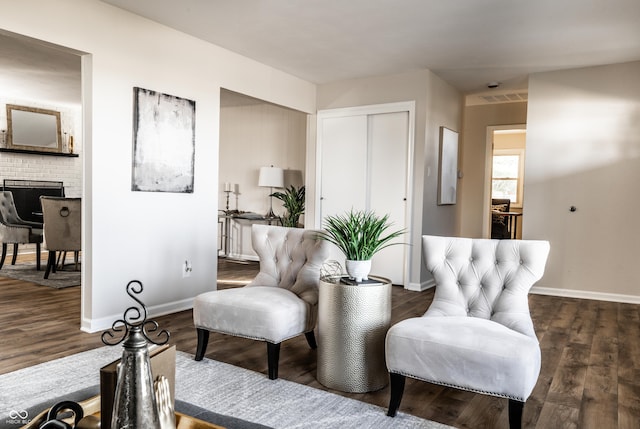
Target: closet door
point(344, 170)
point(363, 166)
point(387, 192)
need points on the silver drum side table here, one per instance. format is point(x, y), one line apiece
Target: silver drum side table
point(352, 325)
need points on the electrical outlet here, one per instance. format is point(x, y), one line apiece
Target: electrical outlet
point(186, 268)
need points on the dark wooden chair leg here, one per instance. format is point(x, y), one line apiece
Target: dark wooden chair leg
point(515, 414)
point(311, 339)
point(273, 356)
point(38, 256)
point(203, 340)
point(51, 263)
point(397, 389)
point(4, 254)
point(15, 254)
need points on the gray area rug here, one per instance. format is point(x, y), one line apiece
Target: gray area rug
point(208, 384)
point(27, 272)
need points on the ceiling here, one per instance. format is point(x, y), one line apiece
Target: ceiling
point(468, 43)
point(36, 71)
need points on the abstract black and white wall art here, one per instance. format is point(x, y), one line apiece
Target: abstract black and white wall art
point(163, 142)
point(448, 178)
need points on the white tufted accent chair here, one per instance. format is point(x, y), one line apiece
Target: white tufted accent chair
point(280, 303)
point(477, 335)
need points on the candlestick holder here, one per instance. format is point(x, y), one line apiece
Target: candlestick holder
point(227, 206)
point(64, 143)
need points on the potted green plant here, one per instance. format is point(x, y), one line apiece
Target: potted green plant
point(293, 201)
point(359, 234)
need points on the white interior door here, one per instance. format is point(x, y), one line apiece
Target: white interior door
point(387, 189)
point(364, 166)
point(343, 180)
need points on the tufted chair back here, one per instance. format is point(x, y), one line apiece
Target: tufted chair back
point(489, 279)
point(290, 258)
point(8, 212)
point(9, 231)
point(12, 228)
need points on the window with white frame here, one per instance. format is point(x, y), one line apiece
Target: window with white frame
point(508, 175)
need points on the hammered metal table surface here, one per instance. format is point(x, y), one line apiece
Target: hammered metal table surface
point(352, 324)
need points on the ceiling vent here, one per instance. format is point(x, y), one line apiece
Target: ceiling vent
point(497, 97)
point(503, 98)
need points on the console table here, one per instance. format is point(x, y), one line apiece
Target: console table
point(353, 321)
point(226, 235)
point(512, 221)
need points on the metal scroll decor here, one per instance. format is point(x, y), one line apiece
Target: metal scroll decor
point(135, 317)
point(134, 402)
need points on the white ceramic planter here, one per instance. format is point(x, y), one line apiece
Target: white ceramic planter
point(358, 270)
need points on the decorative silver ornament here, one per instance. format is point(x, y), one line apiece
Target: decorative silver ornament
point(331, 270)
point(135, 402)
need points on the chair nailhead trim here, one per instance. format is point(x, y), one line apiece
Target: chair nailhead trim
point(468, 389)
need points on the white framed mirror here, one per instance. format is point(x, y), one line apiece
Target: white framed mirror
point(33, 129)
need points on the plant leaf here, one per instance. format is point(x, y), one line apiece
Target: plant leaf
point(359, 234)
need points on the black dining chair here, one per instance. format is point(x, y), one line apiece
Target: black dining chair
point(500, 223)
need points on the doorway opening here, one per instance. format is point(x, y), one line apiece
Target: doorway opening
point(255, 136)
point(506, 148)
point(39, 75)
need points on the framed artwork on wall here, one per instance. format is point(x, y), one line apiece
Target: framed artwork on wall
point(163, 142)
point(448, 167)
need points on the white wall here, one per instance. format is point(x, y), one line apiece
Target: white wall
point(45, 167)
point(510, 140)
point(583, 150)
point(437, 104)
point(472, 194)
point(145, 235)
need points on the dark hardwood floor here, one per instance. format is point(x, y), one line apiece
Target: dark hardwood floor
point(590, 374)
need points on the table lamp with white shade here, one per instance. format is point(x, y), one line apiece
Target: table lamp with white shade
point(271, 177)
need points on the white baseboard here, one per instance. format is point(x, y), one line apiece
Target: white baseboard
point(422, 286)
point(583, 294)
point(568, 293)
point(95, 325)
